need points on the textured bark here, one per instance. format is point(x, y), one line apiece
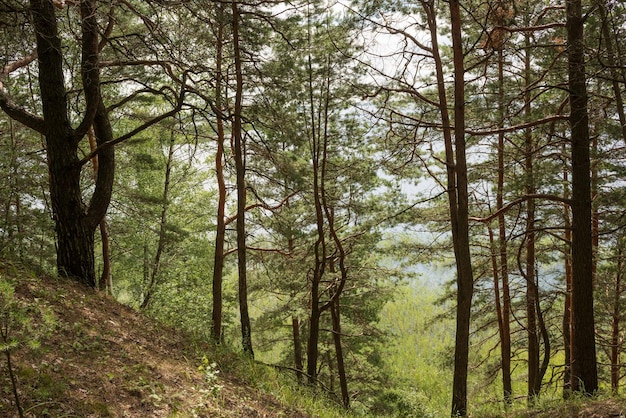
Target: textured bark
point(75, 222)
point(584, 364)
point(459, 207)
point(504, 313)
point(534, 381)
point(341, 369)
point(104, 284)
point(567, 309)
point(297, 347)
point(246, 329)
point(616, 365)
point(220, 234)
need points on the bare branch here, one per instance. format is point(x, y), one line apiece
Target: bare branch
point(517, 201)
point(232, 218)
point(135, 131)
point(11, 108)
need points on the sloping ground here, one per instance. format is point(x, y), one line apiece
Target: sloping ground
point(97, 358)
point(607, 408)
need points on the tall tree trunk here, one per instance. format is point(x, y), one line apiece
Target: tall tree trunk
point(584, 364)
point(567, 308)
point(320, 250)
point(615, 326)
point(456, 168)
point(75, 222)
point(459, 211)
point(341, 370)
point(104, 284)
point(246, 329)
point(297, 347)
point(505, 311)
point(534, 383)
point(156, 263)
point(220, 234)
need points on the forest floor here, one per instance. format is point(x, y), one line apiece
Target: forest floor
point(606, 408)
point(82, 354)
point(79, 353)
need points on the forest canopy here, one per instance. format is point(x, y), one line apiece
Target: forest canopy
point(346, 190)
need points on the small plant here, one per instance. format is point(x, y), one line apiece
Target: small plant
point(211, 372)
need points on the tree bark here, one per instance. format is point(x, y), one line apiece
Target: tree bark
point(459, 211)
point(341, 369)
point(220, 234)
point(297, 347)
point(567, 308)
point(584, 364)
point(75, 222)
point(615, 326)
point(505, 311)
point(534, 382)
point(246, 329)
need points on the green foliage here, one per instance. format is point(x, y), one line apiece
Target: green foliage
point(18, 328)
point(416, 355)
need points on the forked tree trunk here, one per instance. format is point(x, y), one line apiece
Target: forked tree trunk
point(75, 221)
point(456, 168)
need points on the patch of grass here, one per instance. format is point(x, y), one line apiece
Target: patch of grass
point(282, 386)
point(603, 405)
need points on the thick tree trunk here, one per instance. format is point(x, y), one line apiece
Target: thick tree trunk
point(584, 364)
point(75, 222)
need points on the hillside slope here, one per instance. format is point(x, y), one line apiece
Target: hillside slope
point(98, 358)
